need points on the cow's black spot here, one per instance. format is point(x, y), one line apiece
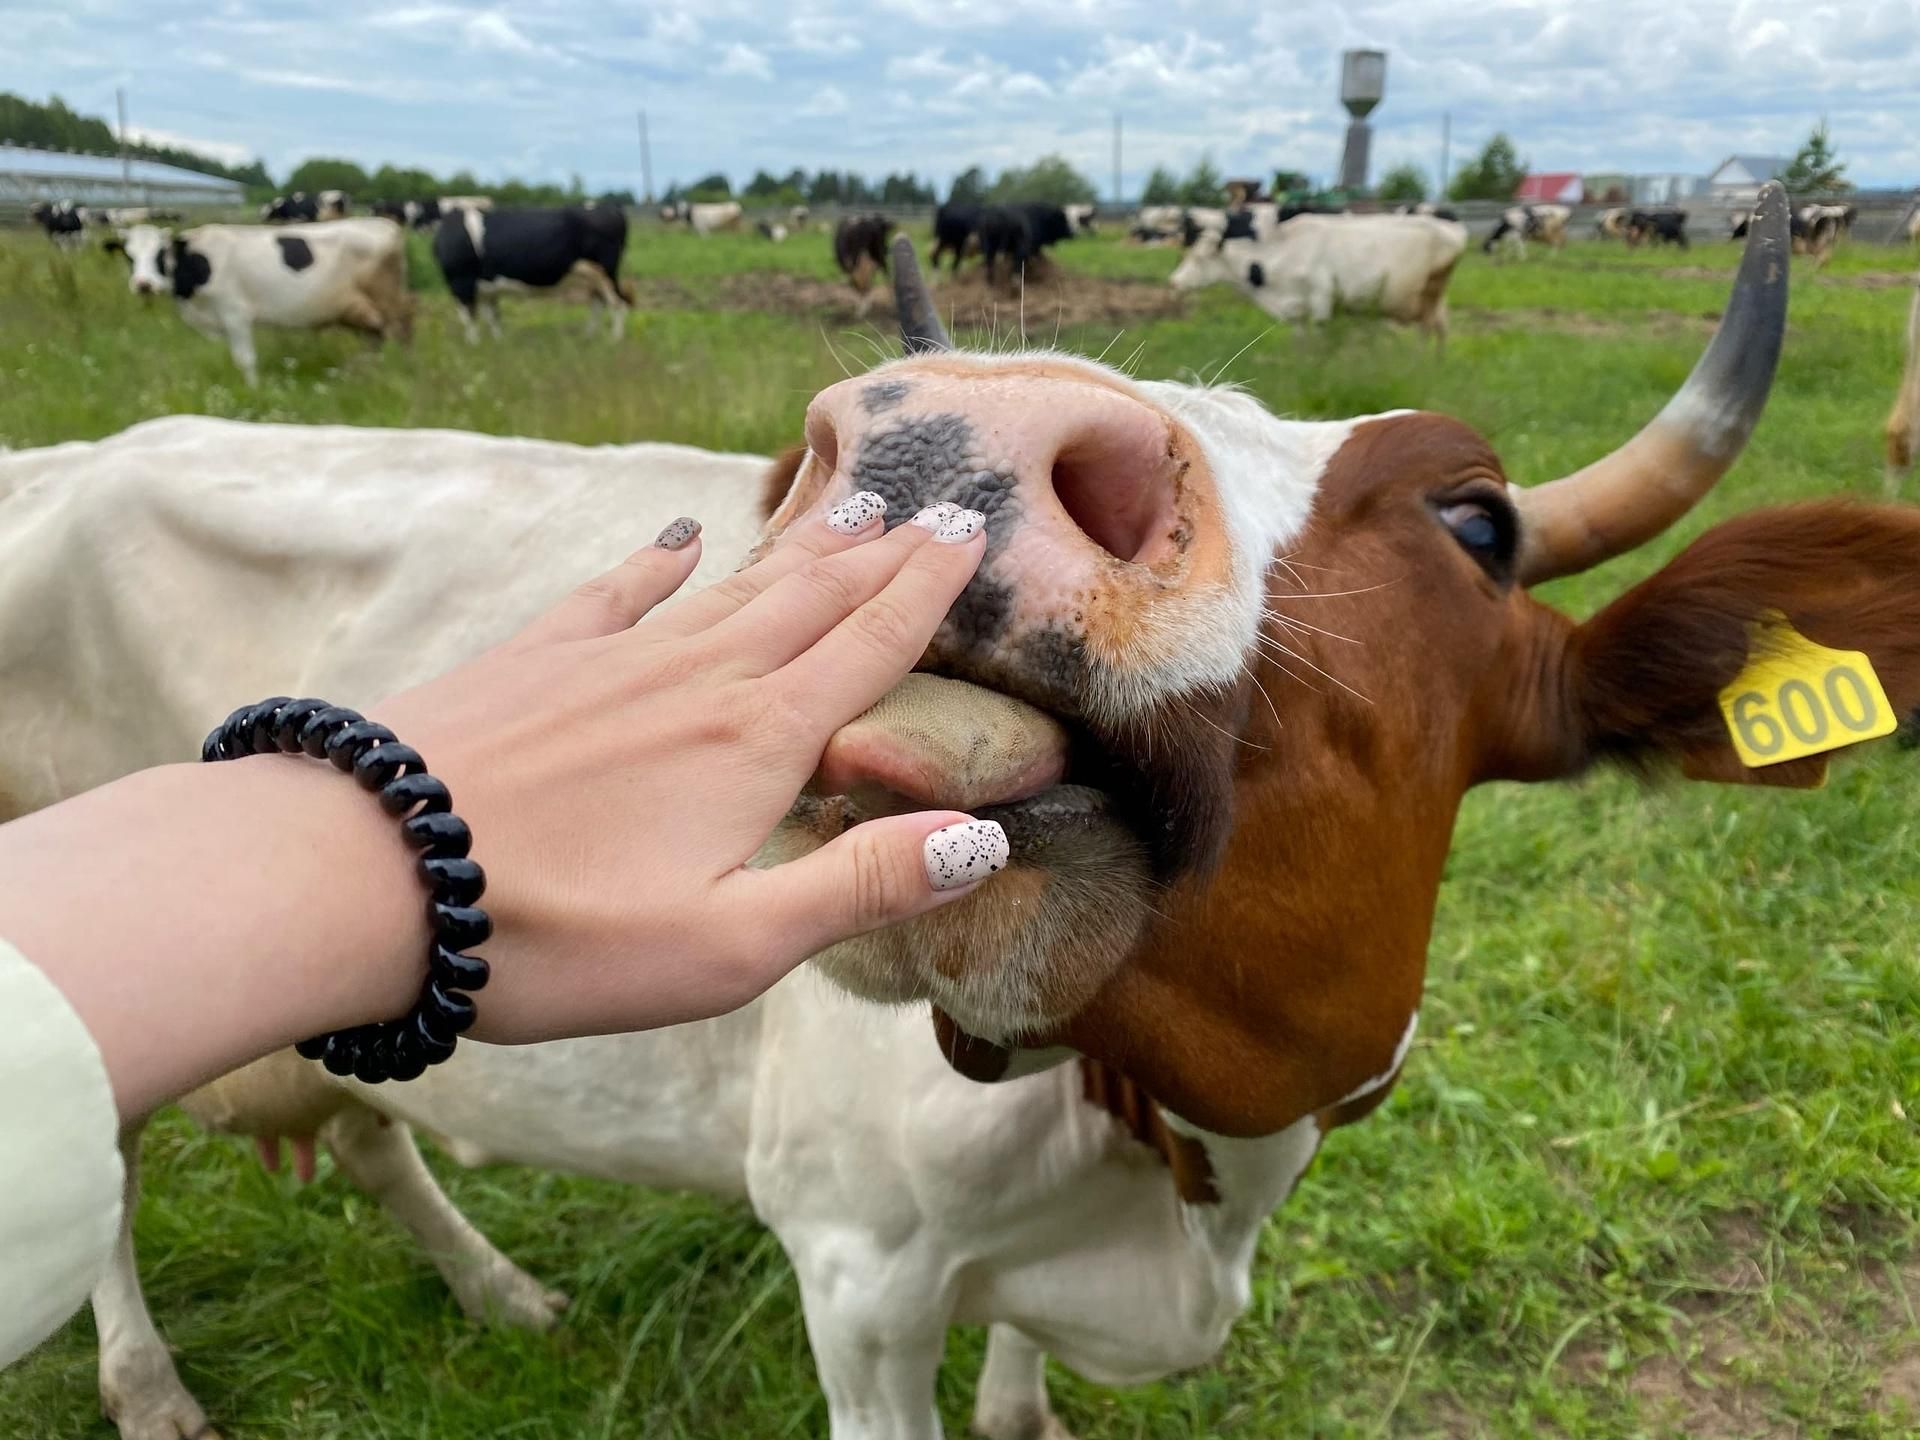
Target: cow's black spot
point(1256, 276)
point(931, 458)
point(191, 269)
point(295, 253)
point(882, 396)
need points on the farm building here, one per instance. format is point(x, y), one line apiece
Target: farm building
point(29, 175)
point(1738, 179)
point(1559, 187)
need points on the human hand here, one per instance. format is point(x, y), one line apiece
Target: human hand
point(619, 769)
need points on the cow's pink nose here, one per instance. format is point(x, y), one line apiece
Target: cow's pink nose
point(1049, 455)
point(143, 287)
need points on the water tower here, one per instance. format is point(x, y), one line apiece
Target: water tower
point(1363, 84)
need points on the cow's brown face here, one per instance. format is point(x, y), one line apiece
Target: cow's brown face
point(1224, 679)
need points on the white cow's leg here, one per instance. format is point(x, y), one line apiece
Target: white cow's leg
point(139, 1389)
point(1011, 1400)
point(877, 1340)
point(239, 331)
point(492, 304)
point(466, 324)
point(380, 1157)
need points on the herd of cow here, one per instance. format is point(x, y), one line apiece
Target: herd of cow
point(1066, 1107)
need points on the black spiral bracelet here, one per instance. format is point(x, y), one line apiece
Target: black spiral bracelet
point(389, 1049)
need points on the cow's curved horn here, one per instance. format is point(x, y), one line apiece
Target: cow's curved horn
point(920, 327)
point(1628, 497)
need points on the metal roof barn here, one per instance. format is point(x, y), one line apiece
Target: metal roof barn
point(29, 175)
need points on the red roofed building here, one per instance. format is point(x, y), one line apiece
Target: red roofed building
point(1555, 188)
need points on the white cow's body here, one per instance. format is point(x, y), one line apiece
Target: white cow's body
point(303, 276)
point(1903, 423)
point(1395, 266)
point(908, 1197)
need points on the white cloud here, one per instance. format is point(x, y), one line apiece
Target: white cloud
point(1023, 86)
point(225, 151)
point(822, 35)
point(827, 100)
point(491, 30)
point(745, 61)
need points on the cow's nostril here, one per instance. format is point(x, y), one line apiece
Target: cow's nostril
point(823, 439)
point(1119, 496)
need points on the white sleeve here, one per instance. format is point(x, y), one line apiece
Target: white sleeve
point(60, 1169)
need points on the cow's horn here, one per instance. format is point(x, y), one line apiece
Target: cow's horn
point(1628, 497)
point(920, 327)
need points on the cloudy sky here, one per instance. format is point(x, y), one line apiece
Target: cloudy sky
point(547, 88)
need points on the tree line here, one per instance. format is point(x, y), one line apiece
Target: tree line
point(57, 126)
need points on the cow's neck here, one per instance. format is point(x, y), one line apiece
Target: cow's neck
point(1251, 1180)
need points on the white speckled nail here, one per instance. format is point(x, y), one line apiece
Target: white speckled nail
point(965, 854)
point(934, 516)
point(960, 527)
point(856, 513)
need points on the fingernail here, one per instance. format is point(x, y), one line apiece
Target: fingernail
point(964, 854)
point(934, 516)
point(856, 513)
point(678, 535)
point(959, 527)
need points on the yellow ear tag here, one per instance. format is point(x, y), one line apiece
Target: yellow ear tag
point(1796, 698)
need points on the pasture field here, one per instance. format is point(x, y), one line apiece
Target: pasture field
point(1652, 1170)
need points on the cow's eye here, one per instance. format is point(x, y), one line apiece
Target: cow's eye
point(1485, 530)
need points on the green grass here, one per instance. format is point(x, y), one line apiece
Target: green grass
point(1650, 1171)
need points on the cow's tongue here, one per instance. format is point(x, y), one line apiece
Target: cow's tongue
point(933, 742)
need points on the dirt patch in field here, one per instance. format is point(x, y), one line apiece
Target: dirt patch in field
point(1053, 297)
point(1582, 323)
point(1734, 1332)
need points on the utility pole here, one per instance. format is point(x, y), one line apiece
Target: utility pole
point(1446, 149)
point(126, 165)
point(1116, 158)
point(646, 160)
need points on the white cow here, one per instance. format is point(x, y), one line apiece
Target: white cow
point(705, 219)
point(1544, 224)
point(1129, 587)
point(1314, 266)
point(228, 278)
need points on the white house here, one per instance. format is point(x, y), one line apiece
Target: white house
point(1739, 178)
point(1667, 189)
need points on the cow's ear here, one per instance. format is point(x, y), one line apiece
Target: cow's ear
point(1770, 642)
point(779, 480)
point(113, 245)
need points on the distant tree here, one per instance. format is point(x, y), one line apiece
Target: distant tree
point(319, 174)
point(969, 187)
point(1403, 183)
point(763, 186)
point(824, 188)
point(1291, 182)
point(1494, 174)
point(855, 190)
point(462, 182)
point(54, 125)
point(710, 188)
point(1051, 177)
point(1161, 188)
point(1202, 185)
point(1816, 170)
point(905, 189)
point(796, 181)
point(390, 182)
point(626, 199)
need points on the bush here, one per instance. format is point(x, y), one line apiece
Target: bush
point(1404, 183)
point(1494, 174)
point(1049, 178)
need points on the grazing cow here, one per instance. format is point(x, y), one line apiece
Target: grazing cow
point(1611, 224)
point(955, 229)
point(294, 209)
point(1315, 266)
point(65, 223)
point(226, 279)
point(1157, 224)
point(1819, 229)
point(1544, 224)
point(1081, 219)
point(1665, 226)
point(770, 230)
point(705, 219)
point(1007, 230)
point(860, 249)
point(1903, 424)
point(799, 218)
point(335, 205)
point(565, 251)
point(1209, 948)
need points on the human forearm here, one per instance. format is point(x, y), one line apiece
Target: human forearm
point(197, 917)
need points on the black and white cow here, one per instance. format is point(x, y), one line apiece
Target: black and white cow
point(1661, 226)
point(414, 214)
point(290, 209)
point(564, 251)
point(860, 250)
point(955, 227)
point(1545, 224)
point(64, 222)
point(228, 278)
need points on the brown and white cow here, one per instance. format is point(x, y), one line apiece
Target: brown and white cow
point(1230, 798)
point(1903, 423)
